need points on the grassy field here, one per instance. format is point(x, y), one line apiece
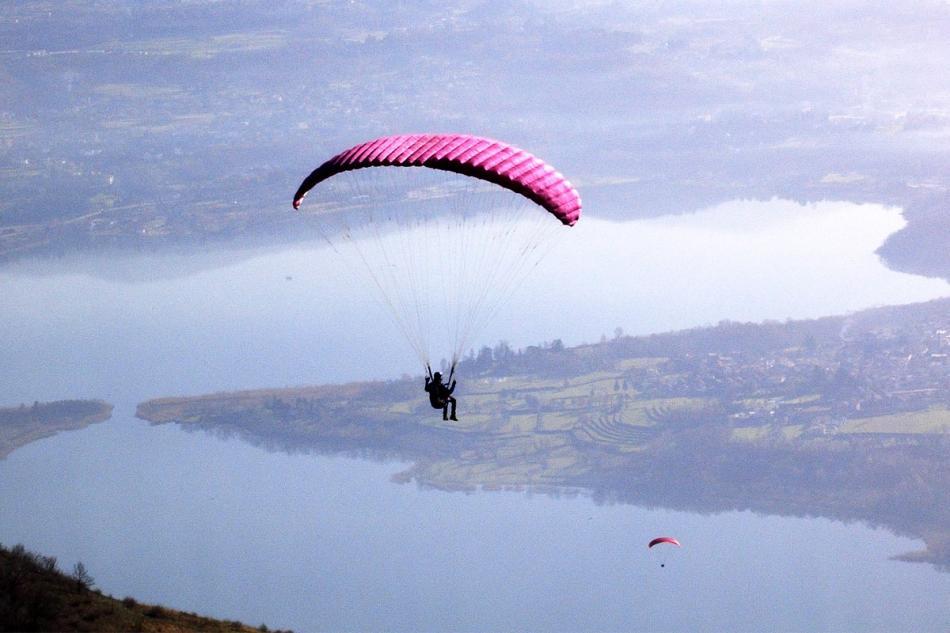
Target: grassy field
point(206, 47)
point(932, 420)
point(766, 431)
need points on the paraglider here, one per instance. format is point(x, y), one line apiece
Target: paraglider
point(663, 539)
point(444, 244)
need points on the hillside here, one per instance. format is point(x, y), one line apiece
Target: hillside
point(36, 596)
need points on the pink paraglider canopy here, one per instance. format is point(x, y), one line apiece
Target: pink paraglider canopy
point(664, 539)
point(482, 158)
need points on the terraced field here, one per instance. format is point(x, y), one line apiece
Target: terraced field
point(613, 430)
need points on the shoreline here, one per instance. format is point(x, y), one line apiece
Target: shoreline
point(917, 248)
point(24, 425)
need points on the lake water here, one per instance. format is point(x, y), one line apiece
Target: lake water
point(330, 543)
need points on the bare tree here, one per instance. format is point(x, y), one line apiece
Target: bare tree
point(82, 577)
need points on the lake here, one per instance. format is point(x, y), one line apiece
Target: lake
point(310, 542)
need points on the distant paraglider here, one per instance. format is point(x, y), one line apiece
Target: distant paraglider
point(663, 539)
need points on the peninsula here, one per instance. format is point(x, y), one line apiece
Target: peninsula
point(28, 423)
point(844, 417)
